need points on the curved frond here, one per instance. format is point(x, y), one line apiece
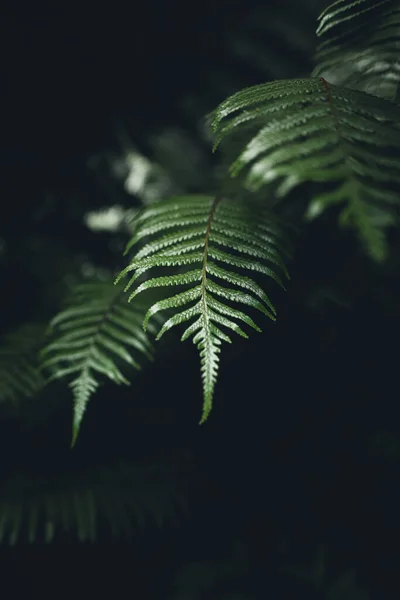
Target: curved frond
point(215, 244)
point(309, 130)
point(93, 337)
point(359, 45)
point(118, 498)
point(20, 374)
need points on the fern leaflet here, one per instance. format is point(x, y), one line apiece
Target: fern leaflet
point(97, 331)
point(309, 130)
point(205, 236)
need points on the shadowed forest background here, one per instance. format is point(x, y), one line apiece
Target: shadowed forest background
point(290, 489)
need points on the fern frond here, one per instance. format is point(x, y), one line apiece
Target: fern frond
point(359, 45)
point(20, 374)
point(213, 240)
point(120, 498)
point(97, 333)
point(309, 130)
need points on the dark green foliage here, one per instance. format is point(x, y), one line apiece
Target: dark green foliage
point(20, 374)
point(95, 336)
point(222, 240)
point(358, 45)
point(118, 498)
point(328, 145)
point(283, 134)
point(307, 130)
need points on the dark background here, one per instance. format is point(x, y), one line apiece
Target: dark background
point(289, 459)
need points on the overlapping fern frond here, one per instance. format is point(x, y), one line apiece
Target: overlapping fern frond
point(208, 245)
point(94, 336)
point(308, 130)
point(20, 374)
point(359, 45)
point(118, 498)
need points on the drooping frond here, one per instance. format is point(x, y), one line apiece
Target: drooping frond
point(20, 374)
point(359, 45)
point(309, 130)
point(118, 499)
point(208, 245)
point(93, 337)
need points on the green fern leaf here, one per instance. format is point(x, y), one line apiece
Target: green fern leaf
point(206, 237)
point(20, 374)
point(92, 337)
point(309, 130)
point(122, 497)
point(359, 45)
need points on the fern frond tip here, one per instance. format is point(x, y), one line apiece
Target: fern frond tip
point(95, 337)
point(213, 242)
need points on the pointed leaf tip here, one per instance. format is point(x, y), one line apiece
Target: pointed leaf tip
point(76, 425)
point(204, 416)
point(75, 433)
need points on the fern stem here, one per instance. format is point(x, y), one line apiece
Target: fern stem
point(215, 203)
point(208, 343)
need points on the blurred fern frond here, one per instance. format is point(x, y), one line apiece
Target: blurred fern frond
point(308, 130)
point(93, 337)
point(20, 374)
point(359, 45)
point(119, 498)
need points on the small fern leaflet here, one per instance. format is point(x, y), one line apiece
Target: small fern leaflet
point(212, 240)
